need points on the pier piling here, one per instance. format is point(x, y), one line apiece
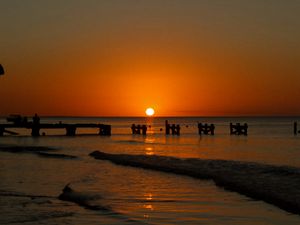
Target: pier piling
point(239, 129)
point(206, 129)
point(175, 129)
point(296, 128)
point(137, 129)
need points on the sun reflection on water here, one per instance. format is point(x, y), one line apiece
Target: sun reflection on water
point(149, 151)
point(148, 206)
point(148, 197)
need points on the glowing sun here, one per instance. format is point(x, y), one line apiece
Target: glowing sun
point(149, 111)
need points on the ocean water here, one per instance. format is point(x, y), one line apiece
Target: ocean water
point(30, 184)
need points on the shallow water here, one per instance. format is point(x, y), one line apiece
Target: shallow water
point(30, 184)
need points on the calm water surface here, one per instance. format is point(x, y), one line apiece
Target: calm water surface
point(30, 184)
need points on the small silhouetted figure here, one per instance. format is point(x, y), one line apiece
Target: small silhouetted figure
point(295, 128)
point(1, 70)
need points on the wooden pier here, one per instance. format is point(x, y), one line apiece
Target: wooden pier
point(206, 129)
point(36, 126)
point(175, 129)
point(136, 129)
point(19, 122)
point(239, 129)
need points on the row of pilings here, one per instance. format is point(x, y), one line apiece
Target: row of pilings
point(105, 130)
point(203, 129)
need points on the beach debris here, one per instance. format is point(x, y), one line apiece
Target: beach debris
point(82, 199)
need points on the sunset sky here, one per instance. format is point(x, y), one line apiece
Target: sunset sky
point(181, 57)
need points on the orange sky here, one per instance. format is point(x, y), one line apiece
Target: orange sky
point(184, 58)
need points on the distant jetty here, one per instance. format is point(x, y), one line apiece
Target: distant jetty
point(17, 121)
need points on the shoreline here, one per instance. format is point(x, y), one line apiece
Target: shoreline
point(37, 150)
point(277, 185)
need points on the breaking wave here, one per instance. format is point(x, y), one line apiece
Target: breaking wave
point(277, 185)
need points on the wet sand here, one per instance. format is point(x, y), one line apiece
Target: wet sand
point(277, 185)
point(38, 150)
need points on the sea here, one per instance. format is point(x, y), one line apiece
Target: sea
point(30, 183)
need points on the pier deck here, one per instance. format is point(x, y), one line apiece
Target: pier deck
point(70, 128)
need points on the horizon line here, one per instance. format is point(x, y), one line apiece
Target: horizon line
point(164, 116)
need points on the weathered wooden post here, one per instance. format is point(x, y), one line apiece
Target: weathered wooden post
point(70, 130)
point(104, 130)
point(239, 129)
point(35, 131)
point(1, 70)
point(133, 129)
point(245, 129)
point(138, 129)
point(1, 131)
point(199, 128)
point(107, 130)
point(167, 125)
point(231, 128)
point(173, 129)
point(212, 129)
point(178, 129)
point(206, 129)
point(295, 128)
point(144, 129)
